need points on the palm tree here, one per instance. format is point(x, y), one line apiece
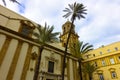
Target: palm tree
point(44, 36)
point(15, 1)
point(78, 50)
point(89, 69)
point(11, 1)
point(76, 10)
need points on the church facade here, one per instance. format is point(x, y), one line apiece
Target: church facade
point(19, 51)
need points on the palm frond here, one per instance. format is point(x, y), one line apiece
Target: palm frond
point(87, 48)
point(76, 10)
point(89, 68)
point(80, 48)
point(84, 46)
point(67, 10)
point(4, 2)
point(67, 14)
point(71, 6)
point(45, 34)
point(15, 1)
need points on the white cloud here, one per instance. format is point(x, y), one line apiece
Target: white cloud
point(103, 25)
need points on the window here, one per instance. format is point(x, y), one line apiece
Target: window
point(63, 29)
point(93, 55)
point(103, 63)
point(50, 66)
point(64, 44)
point(108, 50)
point(113, 74)
point(87, 56)
point(119, 58)
point(116, 48)
point(101, 76)
point(95, 64)
point(25, 30)
point(112, 61)
point(100, 53)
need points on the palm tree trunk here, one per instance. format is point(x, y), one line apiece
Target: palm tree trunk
point(66, 47)
point(80, 69)
point(90, 76)
point(38, 64)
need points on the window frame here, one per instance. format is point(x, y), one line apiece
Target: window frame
point(119, 58)
point(112, 61)
point(103, 63)
point(28, 25)
point(101, 53)
point(95, 63)
point(49, 66)
point(101, 77)
point(116, 48)
point(108, 50)
point(93, 55)
point(113, 73)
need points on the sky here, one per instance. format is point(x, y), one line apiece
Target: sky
point(100, 27)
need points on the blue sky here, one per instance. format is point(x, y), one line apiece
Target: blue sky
point(101, 26)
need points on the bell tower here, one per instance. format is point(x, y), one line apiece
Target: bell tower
point(63, 37)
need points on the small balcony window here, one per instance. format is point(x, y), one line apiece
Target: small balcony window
point(26, 28)
point(50, 66)
point(101, 77)
point(119, 58)
point(101, 53)
point(87, 56)
point(103, 63)
point(113, 75)
point(112, 61)
point(116, 48)
point(108, 50)
point(95, 64)
point(93, 55)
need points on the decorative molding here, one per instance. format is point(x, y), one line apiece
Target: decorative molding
point(34, 56)
point(21, 20)
point(47, 75)
point(51, 57)
point(99, 71)
point(112, 69)
point(29, 23)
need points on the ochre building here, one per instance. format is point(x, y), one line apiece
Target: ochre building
point(107, 59)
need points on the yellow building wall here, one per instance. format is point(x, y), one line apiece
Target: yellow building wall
point(108, 52)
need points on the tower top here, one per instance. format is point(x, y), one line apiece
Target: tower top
point(66, 27)
point(65, 31)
